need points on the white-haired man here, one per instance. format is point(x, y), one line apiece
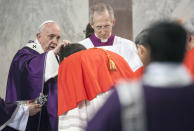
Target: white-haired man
point(33, 71)
point(102, 20)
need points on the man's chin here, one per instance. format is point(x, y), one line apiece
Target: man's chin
point(103, 38)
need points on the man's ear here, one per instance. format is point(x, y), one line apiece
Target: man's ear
point(140, 49)
point(38, 35)
point(92, 25)
point(113, 22)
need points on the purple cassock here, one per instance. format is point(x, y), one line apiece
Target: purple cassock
point(6, 111)
point(25, 82)
point(166, 109)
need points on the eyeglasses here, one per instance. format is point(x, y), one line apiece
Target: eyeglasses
point(105, 27)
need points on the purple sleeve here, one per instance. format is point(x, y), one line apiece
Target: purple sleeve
point(108, 118)
point(25, 79)
point(25, 82)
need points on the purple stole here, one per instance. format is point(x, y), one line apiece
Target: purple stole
point(97, 42)
point(25, 82)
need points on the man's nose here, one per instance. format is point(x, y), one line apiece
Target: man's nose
point(55, 40)
point(103, 32)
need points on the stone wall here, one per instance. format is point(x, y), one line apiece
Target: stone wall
point(20, 19)
point(146, 12)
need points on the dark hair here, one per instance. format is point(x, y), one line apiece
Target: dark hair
point(167, 42)
point(141, 38)
point(89, 30)
point(70, 49)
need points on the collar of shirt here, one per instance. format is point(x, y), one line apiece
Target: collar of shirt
point(97, 42)
point(39, 45)
point(166, 74)
point(103, 41)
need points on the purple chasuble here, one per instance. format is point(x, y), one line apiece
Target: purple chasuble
point(169, 109)
point(25, 82)
point(108, 118)
point(6, 111)
point(97, 42)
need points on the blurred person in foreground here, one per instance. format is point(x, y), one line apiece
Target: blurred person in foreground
point(163, 99)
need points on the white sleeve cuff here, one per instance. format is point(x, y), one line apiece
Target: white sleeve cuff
point(52, 65)
point(20, 120)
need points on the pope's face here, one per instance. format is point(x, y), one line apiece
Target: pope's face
point(102, 25)
point(49, 36)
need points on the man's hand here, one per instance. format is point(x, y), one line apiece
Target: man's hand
point(62, 43)
point(34, 108)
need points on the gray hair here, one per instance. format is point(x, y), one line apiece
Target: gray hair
point(43, 25)
point(99, 8)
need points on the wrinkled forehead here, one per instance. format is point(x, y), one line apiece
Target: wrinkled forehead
point(101, 18)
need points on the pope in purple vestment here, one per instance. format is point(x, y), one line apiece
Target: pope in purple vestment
point(34, 70)
point(26, 81)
